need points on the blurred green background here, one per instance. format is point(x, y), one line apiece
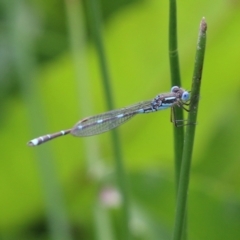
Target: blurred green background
point(50, 79)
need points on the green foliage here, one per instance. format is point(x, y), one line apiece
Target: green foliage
point(137, 50)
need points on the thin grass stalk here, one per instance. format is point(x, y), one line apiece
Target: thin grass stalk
point(95, 20)
point(25, 64)
point(77, 36)
point(78, 46)
point(175, 81)
point(190, 133)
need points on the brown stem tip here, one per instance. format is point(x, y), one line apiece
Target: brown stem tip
point(203, 25)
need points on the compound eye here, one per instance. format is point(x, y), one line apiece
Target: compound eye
point(174, 89)
point(185, 96)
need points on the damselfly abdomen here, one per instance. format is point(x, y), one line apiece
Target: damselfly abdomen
point(106, 121)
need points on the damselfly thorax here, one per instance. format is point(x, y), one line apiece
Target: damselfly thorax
point(106, 121)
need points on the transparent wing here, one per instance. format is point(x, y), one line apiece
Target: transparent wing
point(106, 121)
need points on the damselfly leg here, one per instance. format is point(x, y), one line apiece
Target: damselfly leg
point(180, 122)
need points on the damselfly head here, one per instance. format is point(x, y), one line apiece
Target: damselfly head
point(185, 96)
point(175, 89)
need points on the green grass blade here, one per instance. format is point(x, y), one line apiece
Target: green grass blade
point(190, 133)
point(175, 81)
point(95, 20)
point(25, 65)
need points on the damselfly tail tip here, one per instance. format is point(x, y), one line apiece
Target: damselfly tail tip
point(33, 143)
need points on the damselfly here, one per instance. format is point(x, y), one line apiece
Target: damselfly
point(106, 121)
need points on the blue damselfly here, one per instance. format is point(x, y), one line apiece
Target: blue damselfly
point(106, 121)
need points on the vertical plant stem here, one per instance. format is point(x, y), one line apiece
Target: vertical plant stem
point(176, 81)
point(190, 132)
point(78, 46)
point(22, 37)
point(95, 19)
point(178, 132)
